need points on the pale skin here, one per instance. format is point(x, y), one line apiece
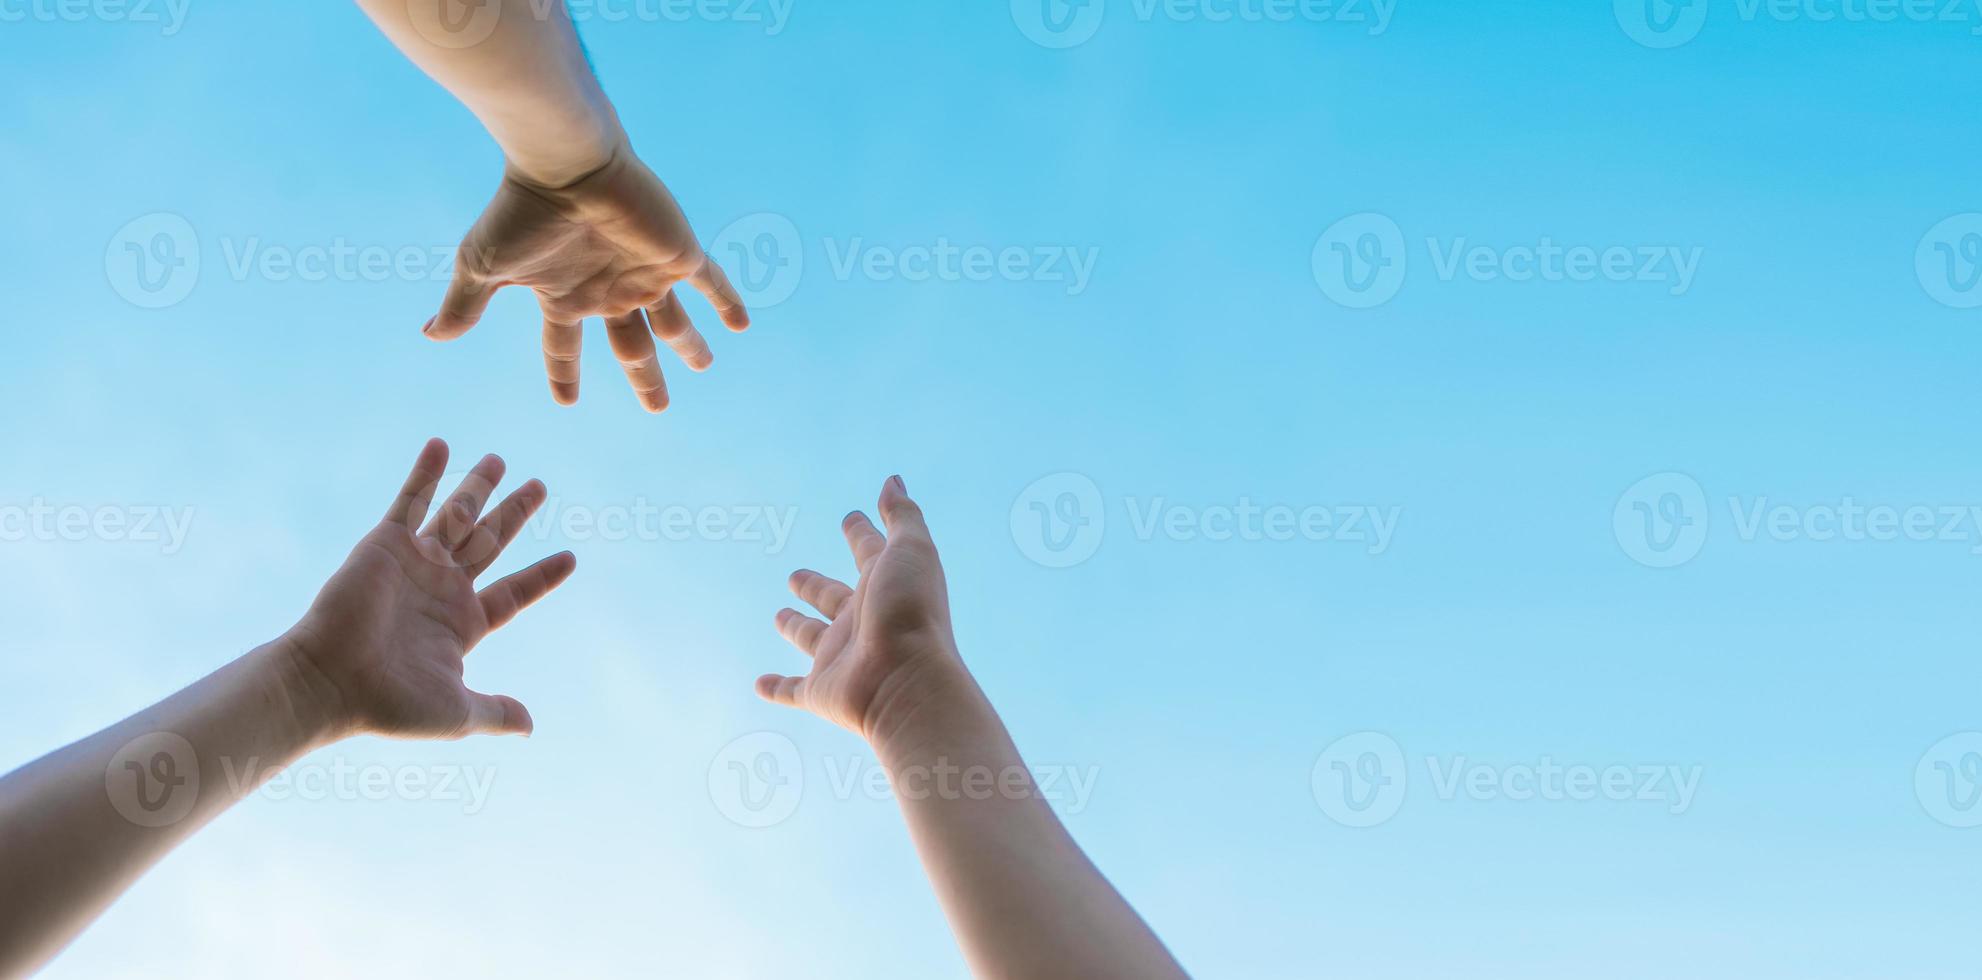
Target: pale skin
point(380, 652)
point(577, 218)
point(1020, 894)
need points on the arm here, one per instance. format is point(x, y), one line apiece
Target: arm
point(1020, 894)
point(577, 218)
point(380, 652)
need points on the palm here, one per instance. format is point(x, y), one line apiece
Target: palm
point(873, 633)
point(612, 245)
point(391, 628)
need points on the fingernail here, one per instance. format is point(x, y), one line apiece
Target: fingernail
point(900, 487)
point(429, 328)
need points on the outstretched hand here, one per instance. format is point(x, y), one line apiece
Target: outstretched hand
point(885, 643)
point(390, 630)
point(614, 244)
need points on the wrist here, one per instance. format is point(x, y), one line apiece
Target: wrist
point(301, 694)
point(932, 707)
point(590, 149)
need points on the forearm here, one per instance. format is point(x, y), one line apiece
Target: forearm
point(517, 65)
point(1021, 895)
point(79, 825)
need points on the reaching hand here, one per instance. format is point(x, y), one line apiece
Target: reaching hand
point(614, 244)
point(883, 643)
point(390, 629)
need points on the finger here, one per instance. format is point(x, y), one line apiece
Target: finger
point(467, 296)
point(410, 507)
point(513, 594)
point(562, 341)
point(901, 514)
point(671, 324)
point(500, 527)
point(455, 521)
point(779, 689)
point(497, 714)
point(713, 284)
point(828, 595)
point(862, 537)
point(633, 345)
point(803, 631)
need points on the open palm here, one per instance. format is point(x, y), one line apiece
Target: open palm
point(614, 245)
point(876, 637)
point(391, 628)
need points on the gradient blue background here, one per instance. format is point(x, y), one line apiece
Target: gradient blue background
point(1203, 364)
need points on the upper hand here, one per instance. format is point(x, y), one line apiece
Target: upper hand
point(613, 244)
point(884, 644)
point(387, 635)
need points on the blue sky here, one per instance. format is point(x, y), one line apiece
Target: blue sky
point(1648, 506)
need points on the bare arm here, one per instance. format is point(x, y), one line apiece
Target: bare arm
point(380, 651)
point(577, 218)
point(1022, 897)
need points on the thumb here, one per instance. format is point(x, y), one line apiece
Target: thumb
point(496, 714)
point(899, 513)
point(461, 308)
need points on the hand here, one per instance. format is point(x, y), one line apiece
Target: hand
point(386, 637)
point(613, 244)
point(886, 646)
